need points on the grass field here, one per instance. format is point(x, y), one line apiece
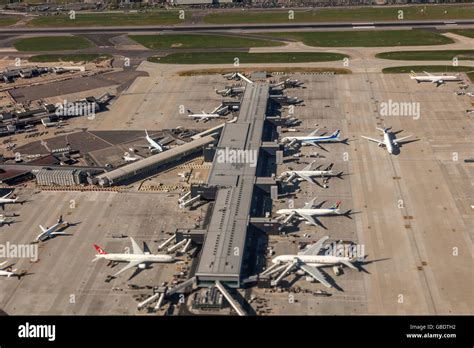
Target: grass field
point(427, 68)
point(343, 14)
point(43, 58)
point(108, 19)
point(464, 32)
point(244, 57)
point(5, 21)
point(199, 41)
point(52, 43)
point(427, 55)
point(376, 38)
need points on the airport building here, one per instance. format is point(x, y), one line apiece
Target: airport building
point(150, 166)
point(224, 249)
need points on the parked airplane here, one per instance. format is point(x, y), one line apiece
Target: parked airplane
point(308, 174)
point(7, 271)
point(230, 91)
point(127, 158)
point(237, 76)
point(50, 232)
point(309, 213)
point(309, 261)
point(388, 141)
point(154, 146)
point(438, 79)
point(4, 200)
point(138, 258)
point(204, 116)
point(4, 220)
point(312, 139)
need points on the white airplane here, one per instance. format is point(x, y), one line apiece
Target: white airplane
point(438, 79)
point(204, 116)
point(308, 174)
point(237, 76)
point(312, 139)
point(7, 271)
point(154, 146)
point(4, 200)
point(309, 213)
point(138, 258)
point(127, 158)
point(50, 232)
point(309, 261)
point(230, 91)
point(388, 141)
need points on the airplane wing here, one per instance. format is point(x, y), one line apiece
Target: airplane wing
point(309, 218)
point(43, 228)
point(307, 178)
point(288, 218)
point(313, 143)
point(310, 204)
point(428, 74)
point(291, 177)
point(313, 132)
point(316, 247)
point(372, 139)
point(400, 140)
point(8, 194)
point(313, 220)
point(308, 167)
point(130, 265)
point(136, 249)
point(316, 274)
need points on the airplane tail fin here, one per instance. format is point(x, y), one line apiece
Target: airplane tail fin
point(336, 205)
point(60, 220)
point(412, 74)
point(335, 135)
point(100, 250)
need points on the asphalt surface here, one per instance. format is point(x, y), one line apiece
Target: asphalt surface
point(183, 28)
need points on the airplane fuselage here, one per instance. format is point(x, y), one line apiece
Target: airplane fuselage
point(312, 211)
point(309, 173)
point(388, 142)
point(312, 260)
point(47, 234)
point(136, 257)
point(8, 200)
point(6, 273)
point(436, 78)
point(153, 144)
point(311, 139)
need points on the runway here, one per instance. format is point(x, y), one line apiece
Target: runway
point(231, 27)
